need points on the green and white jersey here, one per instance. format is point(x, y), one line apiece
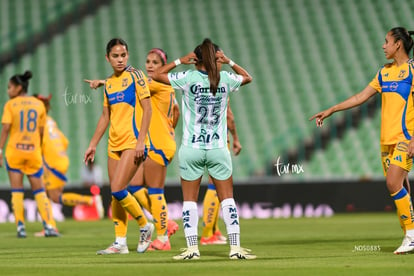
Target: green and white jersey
point(204, 115)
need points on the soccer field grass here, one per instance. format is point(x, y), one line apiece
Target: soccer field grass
point(352, 244)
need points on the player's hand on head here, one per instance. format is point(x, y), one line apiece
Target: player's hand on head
point(221, 57)
point(190, 58)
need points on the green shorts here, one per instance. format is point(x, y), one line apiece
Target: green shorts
point(194, 161)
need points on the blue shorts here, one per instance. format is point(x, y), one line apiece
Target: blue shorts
point(193, 162)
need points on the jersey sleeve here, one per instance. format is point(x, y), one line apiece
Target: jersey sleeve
point(42, 116)
point(141, 84)
point(105, 96)
point(178, 80)
point(376, 82)
point(233, 80)
point(7, 114)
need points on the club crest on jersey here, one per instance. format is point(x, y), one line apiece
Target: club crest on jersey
point(401, 74)
point(125, 82)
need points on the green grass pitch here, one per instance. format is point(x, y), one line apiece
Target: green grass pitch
point(345, 244)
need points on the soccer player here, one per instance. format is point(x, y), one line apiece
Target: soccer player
point(127, 108)
point(161, 152)
point(394, 81)
point(24, 119)
point(204, 142)
point(211, 233)
point(56, 163)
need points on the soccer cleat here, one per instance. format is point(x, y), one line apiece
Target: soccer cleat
point(190, 253)
point(97, 203)
point(145, 237)
point(240, 253)
point(51, 232)
point(114, 248)
point(21, 231)
point(172, 227)
point(220, 236)
point(211, 240)
point(159, 245)
point(406, 246)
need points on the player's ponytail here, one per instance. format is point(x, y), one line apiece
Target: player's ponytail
point(400, 33)
point(411, 33)
point(208, 56)
point(22, 80)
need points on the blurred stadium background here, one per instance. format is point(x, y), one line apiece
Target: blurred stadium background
point(304, 55)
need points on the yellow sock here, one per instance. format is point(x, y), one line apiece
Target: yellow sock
point(130, 204)
point(72, 199)
point(44, 207)
point(120, 218)
point(216, 219)
point(211, 207)
point(141, 194)
point(404, 208)
point(17, 197)
point(159, 210)
point(401, 222)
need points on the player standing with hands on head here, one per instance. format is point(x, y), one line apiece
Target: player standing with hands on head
point(211, 233)
point(127, 108)
point(204, 143)
point(24, 119)
point(394, 81)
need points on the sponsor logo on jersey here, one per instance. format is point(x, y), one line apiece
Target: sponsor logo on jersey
point(204, 137)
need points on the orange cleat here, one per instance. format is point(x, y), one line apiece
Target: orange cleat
point(220, 236)
point(159, 245)
point(211, 240)
point(172, 227)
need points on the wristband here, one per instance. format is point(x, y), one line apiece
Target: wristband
point(1, 151)
point(231, 63)
point(177, 62)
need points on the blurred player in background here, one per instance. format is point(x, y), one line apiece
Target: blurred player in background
point(211, 233)
point(161, 152)
point(395, 82)
point(204, 143)
point(127, 108)
point(56, 164)
point(24, 118)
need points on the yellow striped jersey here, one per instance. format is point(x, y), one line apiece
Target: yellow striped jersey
point(123, 94)
point(397, 113)
point(27, 115)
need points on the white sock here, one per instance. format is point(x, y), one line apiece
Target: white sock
point(121, 240)
point(410, 233)
point(190, 222)
point(231, 219)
